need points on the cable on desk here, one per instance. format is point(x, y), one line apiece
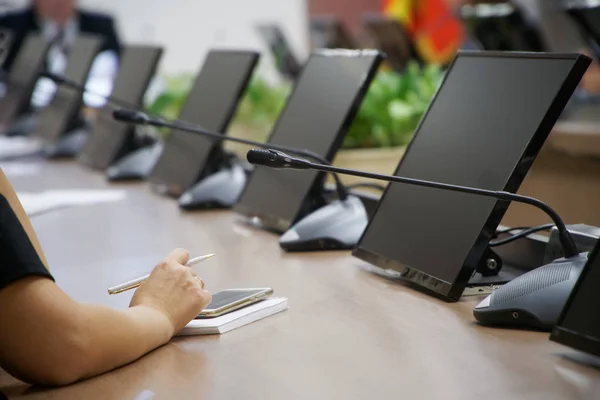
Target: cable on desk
point(520, 235)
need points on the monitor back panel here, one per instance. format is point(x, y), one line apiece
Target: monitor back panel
point(56, 118)
point(211, 104)
point(483, 129)
point(110, 138)
point(26, 69)
point(316, 117)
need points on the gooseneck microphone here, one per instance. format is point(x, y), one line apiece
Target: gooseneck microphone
point(533, 300)
point(275, 158)
point(140, 118)
point(63, 80)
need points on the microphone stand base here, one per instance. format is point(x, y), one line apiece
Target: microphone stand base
point(535, 299)
point(219, 190)
point(69, 144)
point(136, 165)
point(23, 125)
point(336, 226)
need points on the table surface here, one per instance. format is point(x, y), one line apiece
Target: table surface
point(349, 333)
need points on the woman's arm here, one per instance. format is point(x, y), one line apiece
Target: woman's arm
point(48, 338)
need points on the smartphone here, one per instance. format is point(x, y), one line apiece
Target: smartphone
point(233, 299)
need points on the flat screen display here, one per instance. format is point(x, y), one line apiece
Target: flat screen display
point(330, 33)
point(22, 78)
point(6, 41)
point(588, 19)
point(483, 129)
point(391, 38)
point(284, 57)
point(55, 119)
point(579, 324)
point(318, 112)
point(109, 137)
point(210, 104)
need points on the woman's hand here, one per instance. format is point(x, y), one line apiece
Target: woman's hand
point(174, 290)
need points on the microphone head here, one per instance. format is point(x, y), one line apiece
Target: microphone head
point(130, 116)
point(276, 159)
point(266, 158)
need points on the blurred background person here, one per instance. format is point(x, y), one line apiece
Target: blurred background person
point(60, 22)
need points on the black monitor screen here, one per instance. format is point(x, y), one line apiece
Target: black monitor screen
point(285, 59)
point(316, 117)
point(588, 19)
point(579, 323)
point(328, 32)
point(23, 76)
point(483, 129)
point(391, 38)
point(109, 137)
point(55, 119)
point(211, 104)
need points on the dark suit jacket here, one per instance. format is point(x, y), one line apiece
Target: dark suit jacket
point(24, 22)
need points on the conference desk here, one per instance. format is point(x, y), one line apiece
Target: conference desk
point(349, 333)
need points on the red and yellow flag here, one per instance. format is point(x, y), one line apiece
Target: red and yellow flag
point(436, 33)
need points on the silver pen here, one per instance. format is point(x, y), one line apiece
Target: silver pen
point(138, 281)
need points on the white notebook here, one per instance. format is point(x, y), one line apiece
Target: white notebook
point(235, 319)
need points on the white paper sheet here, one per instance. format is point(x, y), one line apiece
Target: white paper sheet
point(20, 169)
point(235, 319)
point(41, 202)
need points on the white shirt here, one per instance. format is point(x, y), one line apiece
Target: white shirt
point(100, 79)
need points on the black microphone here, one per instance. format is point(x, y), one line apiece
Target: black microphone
point(277, 159)
point(140, 118)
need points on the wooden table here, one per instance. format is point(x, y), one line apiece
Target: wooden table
point(349, 334)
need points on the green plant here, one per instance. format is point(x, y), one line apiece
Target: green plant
point(262, 103)
point(170, 101)
point(393, 107)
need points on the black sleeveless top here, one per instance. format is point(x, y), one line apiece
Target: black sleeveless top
point(18, 258)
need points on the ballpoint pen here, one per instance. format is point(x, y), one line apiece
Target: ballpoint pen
point(138, 281)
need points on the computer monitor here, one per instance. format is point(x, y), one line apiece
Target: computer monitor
point(587, 16)
point(328, 32)
point(27, 67)
point(211, 104)
point(483, 129)
point(61, 115)
point(6, 41)
point(578, 326)
point(317, 115)
point(285, 60)
point(391, 38)
point(501, 26)
point(110, 139)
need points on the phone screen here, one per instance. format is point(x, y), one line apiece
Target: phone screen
point(226, 297)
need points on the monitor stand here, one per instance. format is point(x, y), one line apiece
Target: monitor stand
point(219, 190)
point(335, 226)
point(69, 144)
point(136, 165)
point(23, 125)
